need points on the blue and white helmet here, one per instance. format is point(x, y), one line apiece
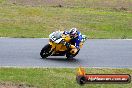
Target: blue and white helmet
point(73, 32)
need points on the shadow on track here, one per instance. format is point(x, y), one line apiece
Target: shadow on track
point(61, 59)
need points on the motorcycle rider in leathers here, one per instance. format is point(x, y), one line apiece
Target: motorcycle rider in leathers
point(75, 36)
point(76, 39)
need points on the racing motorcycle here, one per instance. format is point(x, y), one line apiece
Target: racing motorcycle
point(57, 47)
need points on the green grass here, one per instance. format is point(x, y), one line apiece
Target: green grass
point(56, 77)
point(2, 1)
point(37, 20)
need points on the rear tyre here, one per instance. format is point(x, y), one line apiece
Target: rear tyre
point(45, 52)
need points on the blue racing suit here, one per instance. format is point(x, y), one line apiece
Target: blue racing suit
point(75, 41)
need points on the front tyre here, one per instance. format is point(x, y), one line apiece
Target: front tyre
point(46, 51)
point(70, 56)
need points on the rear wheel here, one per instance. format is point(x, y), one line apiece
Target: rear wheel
point(46, 51)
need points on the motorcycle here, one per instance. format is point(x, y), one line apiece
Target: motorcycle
point(56, 46)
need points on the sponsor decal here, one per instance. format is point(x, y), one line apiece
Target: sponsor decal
point(83, 78)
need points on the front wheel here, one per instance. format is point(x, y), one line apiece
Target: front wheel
point(45, 52)
point(69, 55)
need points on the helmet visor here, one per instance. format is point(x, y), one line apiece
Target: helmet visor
point(73, 35)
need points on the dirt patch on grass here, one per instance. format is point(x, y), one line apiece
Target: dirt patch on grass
point(12, 85)
point(76, 3)
point(36, 2)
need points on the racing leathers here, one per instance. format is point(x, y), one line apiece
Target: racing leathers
point(75, 41)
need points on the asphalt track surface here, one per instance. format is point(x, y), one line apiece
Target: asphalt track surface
point(24, 52)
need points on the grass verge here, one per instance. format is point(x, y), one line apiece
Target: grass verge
point(56, 77)
point(96, 19)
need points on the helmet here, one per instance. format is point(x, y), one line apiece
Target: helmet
point(73, 32)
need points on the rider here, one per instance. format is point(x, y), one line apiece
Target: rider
point(76, 38)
